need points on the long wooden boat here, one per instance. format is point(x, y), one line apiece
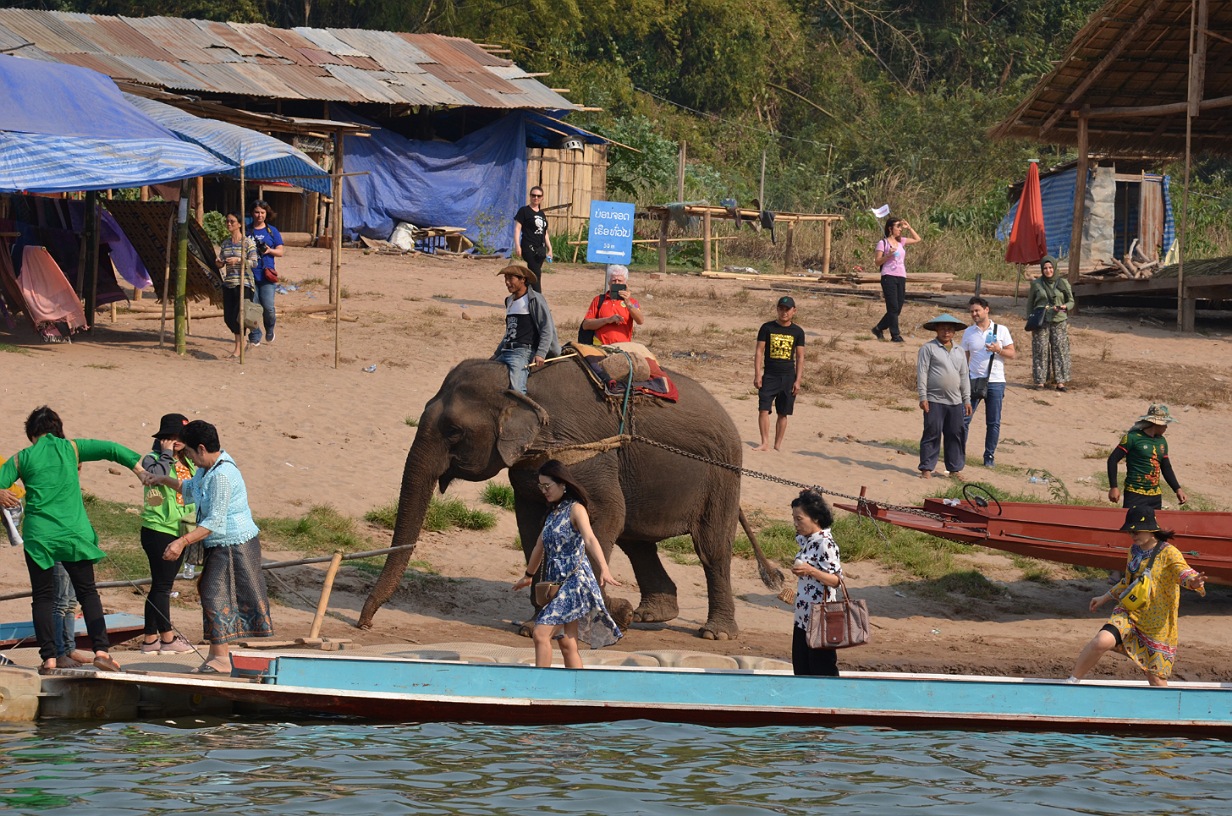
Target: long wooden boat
point(121, 627)
point(1070, 534)
point(412, 690)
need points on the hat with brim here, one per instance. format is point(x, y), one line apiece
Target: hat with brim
point(945, 320)
point(520, 271)
point(1157, 414)
point(170, 426)
point(1140, 520)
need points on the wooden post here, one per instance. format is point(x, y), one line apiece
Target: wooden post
point(181, 274)
point(788, 250)
point(706, 267)
point(663, 242)
point(826, 235)
point(326, 589)
point(199, 200)
point(335, 245)
point(166, 293)
point(1186, 306)
point(680, 172)
point(91, 284)
point(761, 187)
point(1080, 200)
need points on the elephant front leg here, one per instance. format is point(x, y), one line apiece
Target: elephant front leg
point(658, 602)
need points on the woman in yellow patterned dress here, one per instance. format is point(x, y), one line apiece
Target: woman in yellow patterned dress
point(1146, 635)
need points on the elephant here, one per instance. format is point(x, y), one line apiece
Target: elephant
point(476, 426)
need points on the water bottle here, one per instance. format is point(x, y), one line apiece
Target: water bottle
point(189, 571)
point(1034, 480)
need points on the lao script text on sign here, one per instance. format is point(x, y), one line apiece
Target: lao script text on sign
point(611, 233)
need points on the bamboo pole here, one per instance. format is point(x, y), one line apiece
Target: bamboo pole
point(827, 235)
point(1080, 200)
point(181, 275)
point(663, 239)
point(706, 267)
point(326, 589)
point(166, 293)
point(335, 245)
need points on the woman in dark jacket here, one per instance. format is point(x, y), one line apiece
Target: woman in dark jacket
point(1050, 342)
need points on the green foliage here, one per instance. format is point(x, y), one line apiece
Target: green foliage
point(215, 225)
point(500, 495)
point(442, 514)
point(321, 529)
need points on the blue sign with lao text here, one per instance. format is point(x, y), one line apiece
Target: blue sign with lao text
point(611, 233)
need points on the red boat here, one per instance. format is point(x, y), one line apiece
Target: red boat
point(1070, 534)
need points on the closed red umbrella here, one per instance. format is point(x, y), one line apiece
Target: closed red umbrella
point(1028, 243)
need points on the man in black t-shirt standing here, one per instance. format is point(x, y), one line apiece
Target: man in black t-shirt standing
point(778, 365)
point(530, 236)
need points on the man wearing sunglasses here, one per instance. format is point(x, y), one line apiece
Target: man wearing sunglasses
point(530, 236)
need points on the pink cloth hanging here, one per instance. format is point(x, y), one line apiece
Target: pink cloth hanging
point(47, 293)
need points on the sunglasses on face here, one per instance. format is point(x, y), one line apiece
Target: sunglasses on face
point(536, 195)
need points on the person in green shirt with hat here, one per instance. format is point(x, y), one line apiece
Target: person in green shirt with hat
point(1145, 452)
point(162, 512)
point(56, 527)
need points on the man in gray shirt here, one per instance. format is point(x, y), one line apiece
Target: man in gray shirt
point(945, 397)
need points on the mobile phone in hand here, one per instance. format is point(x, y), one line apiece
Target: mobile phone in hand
point(617, 292)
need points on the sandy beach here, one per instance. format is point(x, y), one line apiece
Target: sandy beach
point(306, 433)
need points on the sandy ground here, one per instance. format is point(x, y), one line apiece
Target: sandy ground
point(307, 433)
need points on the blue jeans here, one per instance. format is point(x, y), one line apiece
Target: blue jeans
point(992, 418)
point(265, 296)
point(64, 612)
point(517, 358)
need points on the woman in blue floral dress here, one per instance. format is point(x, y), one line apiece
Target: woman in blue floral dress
point(818, 570)
point(577, 611)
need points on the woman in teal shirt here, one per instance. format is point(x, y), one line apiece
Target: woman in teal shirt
point(234, 603)
point(56, 527)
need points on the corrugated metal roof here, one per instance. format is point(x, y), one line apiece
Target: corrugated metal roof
point(392, 52)
point(250, 59)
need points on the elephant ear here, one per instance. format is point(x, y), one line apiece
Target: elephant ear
point(520, 422)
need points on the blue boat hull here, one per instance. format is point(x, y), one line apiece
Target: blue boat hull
point(423, 690)
point(121, 627)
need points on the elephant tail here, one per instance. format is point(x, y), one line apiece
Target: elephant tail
point(771, 575)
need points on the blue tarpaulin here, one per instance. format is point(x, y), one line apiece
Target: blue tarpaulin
point(262, 156)
point(477, 182)
point(1057, 193)
point(64, 128)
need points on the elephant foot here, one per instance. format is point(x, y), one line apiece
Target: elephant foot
point(714, 631)
point(621, 612)
point(658, 608)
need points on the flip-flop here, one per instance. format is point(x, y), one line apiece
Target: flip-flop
point(205, 668)
point(106, 663)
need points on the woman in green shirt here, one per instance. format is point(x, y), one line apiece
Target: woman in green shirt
point(56, 527)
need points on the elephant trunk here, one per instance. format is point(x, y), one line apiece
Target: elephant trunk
point(425, 465)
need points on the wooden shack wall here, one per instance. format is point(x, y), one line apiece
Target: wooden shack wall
point(574, 177)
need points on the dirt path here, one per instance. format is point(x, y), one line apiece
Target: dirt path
point(306, 433)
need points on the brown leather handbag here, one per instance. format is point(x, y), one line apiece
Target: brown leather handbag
point(838, 624)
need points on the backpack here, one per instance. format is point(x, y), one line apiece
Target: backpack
point(586, 337)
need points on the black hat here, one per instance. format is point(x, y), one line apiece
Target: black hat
point(787, 301)
point(170, 426)
point(1140, 520)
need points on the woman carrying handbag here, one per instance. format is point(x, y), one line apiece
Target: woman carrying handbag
point(819, 572)
point(575, 609)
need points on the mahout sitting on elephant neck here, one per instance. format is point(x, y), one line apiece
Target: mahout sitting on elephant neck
point(475, 426)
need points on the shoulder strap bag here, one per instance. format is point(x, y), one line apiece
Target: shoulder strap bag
point(587, 336)
point(1138, 593)
point(979, 385)
point(838, 624)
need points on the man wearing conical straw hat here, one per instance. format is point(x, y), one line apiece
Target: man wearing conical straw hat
point(945, 397)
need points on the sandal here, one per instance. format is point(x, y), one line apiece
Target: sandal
point(106, 663)
point(1061, 388)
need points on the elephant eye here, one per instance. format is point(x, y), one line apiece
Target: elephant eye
point(452, 433)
